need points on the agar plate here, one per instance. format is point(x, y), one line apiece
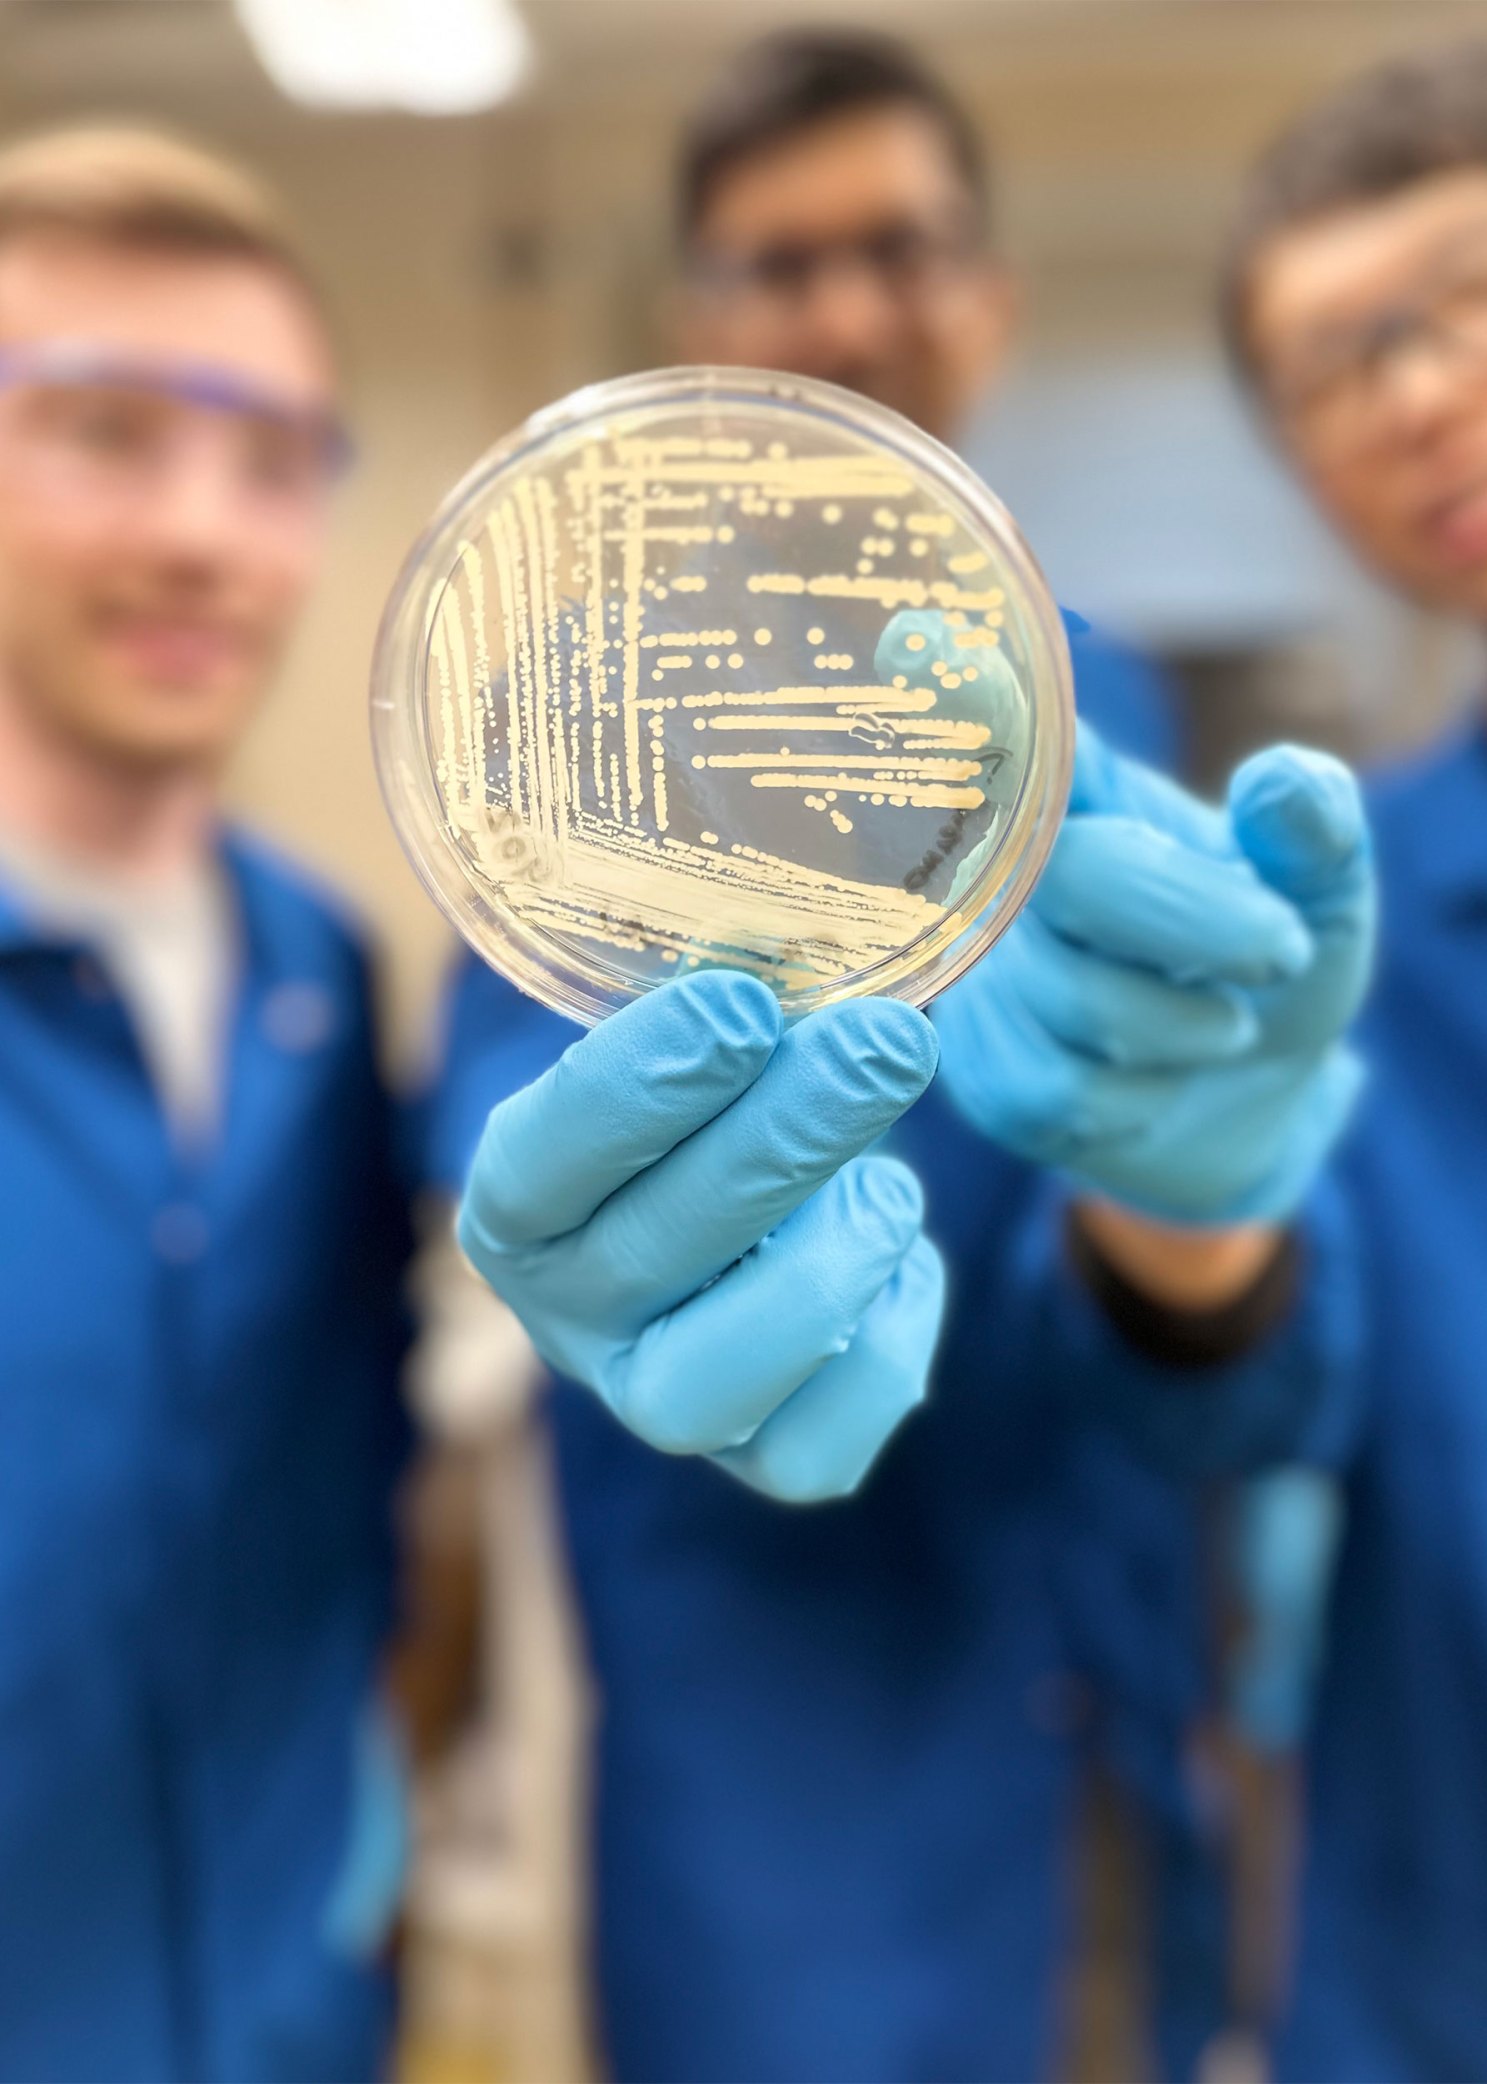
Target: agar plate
point(719, 667)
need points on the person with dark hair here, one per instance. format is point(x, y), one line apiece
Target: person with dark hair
point(791, 83)
point(837, 1760)
point(834, 218)
point(1354, 302)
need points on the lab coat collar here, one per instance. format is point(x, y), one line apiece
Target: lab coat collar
point(21, 931)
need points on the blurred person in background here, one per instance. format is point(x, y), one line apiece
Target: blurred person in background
point(837, 1754)
point(1356, 309)
point(202, 1238)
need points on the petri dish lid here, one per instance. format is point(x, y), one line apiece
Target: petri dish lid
point(723, 667)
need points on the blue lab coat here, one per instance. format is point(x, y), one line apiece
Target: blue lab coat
point(837, 1749)
point(198, 1366)
point(1382, 1376)
point(1391, 1981)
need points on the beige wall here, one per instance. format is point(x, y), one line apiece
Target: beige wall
point(482, 266)
point(439, 368)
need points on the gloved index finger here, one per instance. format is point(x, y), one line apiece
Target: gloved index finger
point(840, 1078)
point(1130, 893)
point(614, 1103)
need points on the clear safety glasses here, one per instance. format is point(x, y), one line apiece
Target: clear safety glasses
point(89, 424)
point(1336, 391)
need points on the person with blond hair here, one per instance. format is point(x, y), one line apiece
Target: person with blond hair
point(202, 1233)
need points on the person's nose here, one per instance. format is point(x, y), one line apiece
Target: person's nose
point(1426, 385)
point(195, 508)
point(848, 314)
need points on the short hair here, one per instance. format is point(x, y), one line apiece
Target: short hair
point(128, 186)
point(791, 82)
point(1397, 124)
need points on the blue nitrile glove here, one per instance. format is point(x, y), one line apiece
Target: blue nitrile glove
point(1163, 1021)
point(363, 1910)
point(681, 1214)
point(1284, 1540)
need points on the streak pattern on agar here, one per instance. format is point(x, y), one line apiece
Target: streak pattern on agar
point(567, 691)
point(723, 667)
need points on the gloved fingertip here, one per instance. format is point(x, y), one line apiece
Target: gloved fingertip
point(890, 1038)
point(739, 1009)
point(1231, 1025)
point(1298, 816)
point(1294, 950)
point(886, 1189)
point(922, 1273)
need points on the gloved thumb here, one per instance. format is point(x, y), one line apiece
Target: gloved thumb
point(1298, 817)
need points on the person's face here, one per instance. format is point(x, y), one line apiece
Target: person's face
point(849, 252)
point(165, 452)
point(1369, 329)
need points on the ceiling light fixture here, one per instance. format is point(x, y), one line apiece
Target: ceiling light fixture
point(432, 57)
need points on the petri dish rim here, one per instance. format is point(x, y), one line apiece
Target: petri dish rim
point(540, 964)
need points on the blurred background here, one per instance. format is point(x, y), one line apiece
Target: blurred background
point(487, 260)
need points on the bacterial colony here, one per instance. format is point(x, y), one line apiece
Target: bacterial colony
point(707, 697)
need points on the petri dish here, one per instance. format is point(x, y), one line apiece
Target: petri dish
point(723, 667)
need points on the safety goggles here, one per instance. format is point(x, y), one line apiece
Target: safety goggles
point(103, 424)
point(904, 258)
point(1335, 390)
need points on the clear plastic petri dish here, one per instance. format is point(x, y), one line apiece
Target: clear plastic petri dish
point(721, 667)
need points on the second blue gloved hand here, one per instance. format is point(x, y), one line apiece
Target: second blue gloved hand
point(1163, 1022)
point(685, 1215)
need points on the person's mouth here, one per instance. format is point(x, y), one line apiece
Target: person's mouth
point(173, 647)
point(1454, 528)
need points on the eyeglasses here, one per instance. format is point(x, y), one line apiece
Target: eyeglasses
point(905, 259)
point(97, 425)
point(1337, 393)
